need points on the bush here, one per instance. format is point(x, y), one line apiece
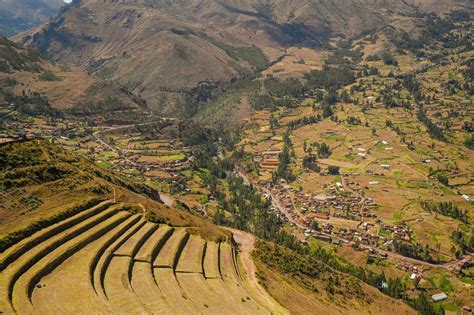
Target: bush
point(48, 76)
point(443, 180)
point(389, 60)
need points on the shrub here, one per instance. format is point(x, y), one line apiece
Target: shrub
point(48, 76)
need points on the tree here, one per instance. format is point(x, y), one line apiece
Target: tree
point(285, 158)
point(327, 111)
point(315, 225)
point(273, 123)
point(323, 150)
point(333, 170)
point(443, 180)
point(309, 162)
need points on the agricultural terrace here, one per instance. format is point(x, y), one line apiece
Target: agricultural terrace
point(108, 260)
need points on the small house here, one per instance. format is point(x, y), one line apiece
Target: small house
point(439, 297)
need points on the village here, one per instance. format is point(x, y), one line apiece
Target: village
point(323, 217)
point(334, 217)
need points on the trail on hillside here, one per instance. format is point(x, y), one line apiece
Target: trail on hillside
point(246, 243)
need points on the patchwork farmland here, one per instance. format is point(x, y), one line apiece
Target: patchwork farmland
point(109, 260)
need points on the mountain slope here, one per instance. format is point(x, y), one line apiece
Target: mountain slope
point(27, 79)
point(20, 15)
point(161, 47)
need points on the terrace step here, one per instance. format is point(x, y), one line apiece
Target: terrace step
point(201, 293)
point(232, 281)
point(15, 251)
point(12, 272)
point(173, 292)
point(133, 244)
point(191, 258)
point(236, 295)
point(108, 242)
point(227, 263)
point(21, 297)
point(154, 244)
point(211, 261)
point(146, 290)
point(118, 289)
point(106, 257)
point(81, 296)
point(169, 254)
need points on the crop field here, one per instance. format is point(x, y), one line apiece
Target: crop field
point(105, 260)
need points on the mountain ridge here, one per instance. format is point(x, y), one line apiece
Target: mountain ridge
point(159, 47)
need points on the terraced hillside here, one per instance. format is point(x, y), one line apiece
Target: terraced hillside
point(107, 260)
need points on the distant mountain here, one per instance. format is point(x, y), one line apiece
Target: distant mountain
point(157, 46)
point(20, 15)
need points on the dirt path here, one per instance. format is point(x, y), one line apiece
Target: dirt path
point(246, 242)
point(167, 199)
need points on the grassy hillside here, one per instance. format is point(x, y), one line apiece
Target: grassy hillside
point(38, 86)
point(307, 284)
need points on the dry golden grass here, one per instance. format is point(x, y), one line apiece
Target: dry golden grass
point(301, 301)
point(296, 63)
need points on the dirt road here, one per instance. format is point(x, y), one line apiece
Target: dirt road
point(246, 243)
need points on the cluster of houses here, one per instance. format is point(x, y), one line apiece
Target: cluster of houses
point(27, 130)
point(335, 203)
point(268, 159)
point(409, 268)
point(129, 159)
point(399, 232)
point(345, 205)
point(161, 165)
